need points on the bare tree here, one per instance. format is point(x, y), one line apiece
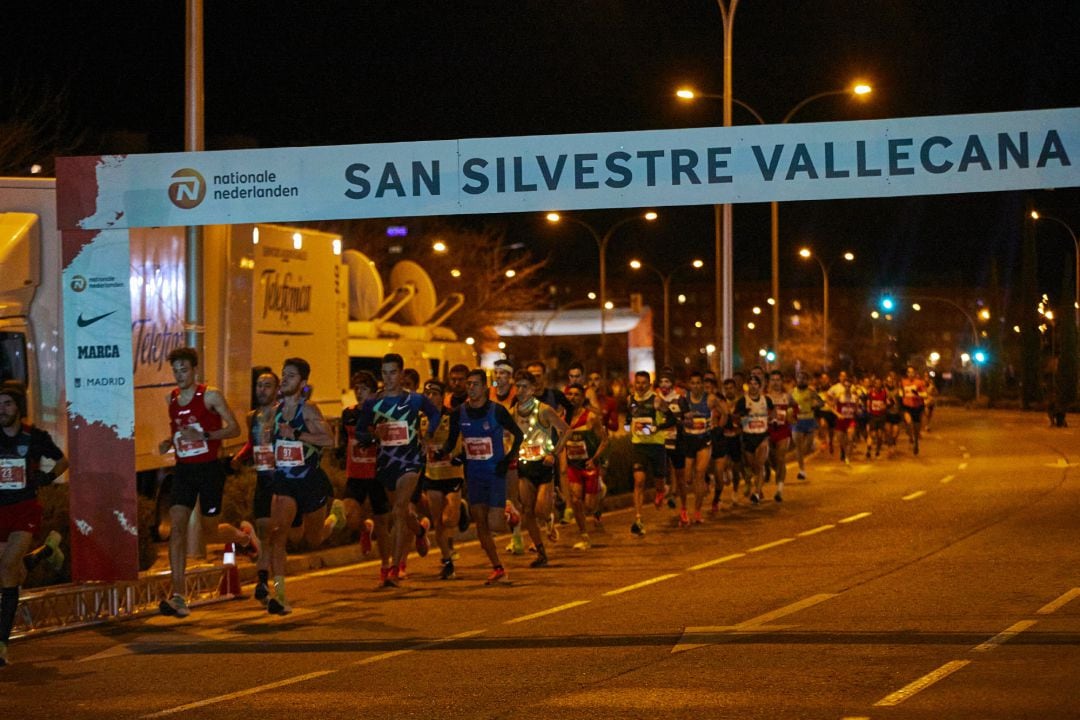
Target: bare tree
point(35, 129)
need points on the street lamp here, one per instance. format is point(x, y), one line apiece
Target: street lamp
point(805, 253)
point(601, 245)
point(1036, 215)
point(979, 355)
point(859, 89)
point(665, 281)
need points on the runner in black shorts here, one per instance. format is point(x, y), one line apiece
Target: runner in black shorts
point(361, 487)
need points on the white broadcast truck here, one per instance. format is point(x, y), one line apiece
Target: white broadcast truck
point(270, 292)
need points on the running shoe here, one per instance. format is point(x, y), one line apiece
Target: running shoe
point(262, 592)
point(253, 547)
point(517, 545)
point(387, 579)
point(422, 544)
point(778, 497)
point(365, 536)
point(754, 499)
point(715, 507)
point(671, 501)
point(568, 516)
point(658, 500)
point(337, 511)
point(638, 528)
point(176, 606)
point(598, 520)
point(552, 530)
point(56, 560)
point(697, 517)
point(401, 573)
point(447, 572)
point(584, 544)
point(278, 607)
point(540, 561)
point(843, 456)
point(498, 575)
point(684, 518)
point(801, 475)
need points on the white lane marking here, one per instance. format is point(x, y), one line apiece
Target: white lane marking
point(853, 518)
point(947, 479)
point(717, 561)
point(549, 611)
point(967, 456)
point(914, 495)
point(241, 693)
point(773, 544)
point(962, 466)
point(963, 449)
point(921, 684)
point(1061, 464)
point(758, 623)
point(641, 584)
point(1060, 602)
point(815, 531)
point(1004, 636)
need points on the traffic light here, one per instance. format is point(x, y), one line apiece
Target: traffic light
point(770, 356)
point(980, 357)
point(887, 303)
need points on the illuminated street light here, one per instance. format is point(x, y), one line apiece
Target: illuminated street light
point(750, 326)
point(609, 305)
point(591, 295)
point(756, 310)
point(916, 307)
point(601, 245)
point(698, 264)
point(935, 357)
point(984, 314)
point(1036, 215)
point(805, 253)
point(511, 273)
point(665, 282)
point(470, 341)
point(439, 246)
point(455, 273)
point(681, 298)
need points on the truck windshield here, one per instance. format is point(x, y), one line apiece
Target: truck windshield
point(13, 356)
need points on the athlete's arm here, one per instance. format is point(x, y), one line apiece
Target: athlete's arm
point(432, 413)
point(669, 417)
point(502, 416)
point(453, 434)
point(318, 431)
point(601, 432)
point(229, 427)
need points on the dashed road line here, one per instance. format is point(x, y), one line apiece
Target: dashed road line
point(695, 637)
point(962, 466)
point(967, 456)
point(815, 531)
point(717, 561)
point(947, 479)
point(853, 518)
point(241, 693)
point(774, 543)
point(1054, 605)
point(549, 611)
point(921, 684)
point(915, 495)
point(1004, 636)
point(643, 583)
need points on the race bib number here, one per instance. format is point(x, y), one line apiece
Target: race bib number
point(755, 424)
point(190, 448)
point(847, 411)
point(264, 457)
point(576, 450)
point(479, 448)
point(699, 425)
point(288, 453)
point(395, 433)
point(641, 426)
point(12, 473)
point(361, 455)
point(877, 406)
point(532, 453)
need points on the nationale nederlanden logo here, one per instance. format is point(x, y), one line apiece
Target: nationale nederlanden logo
point(187, 189)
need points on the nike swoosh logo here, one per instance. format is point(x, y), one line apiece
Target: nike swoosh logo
point(84, 322)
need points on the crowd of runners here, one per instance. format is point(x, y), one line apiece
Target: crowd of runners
point(501, 449)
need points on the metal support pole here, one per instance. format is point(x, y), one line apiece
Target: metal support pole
point(774, 208)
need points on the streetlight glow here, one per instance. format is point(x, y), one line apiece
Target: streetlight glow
point(916, 307)
point(439, 246)
point(698, 264)
point(682, 299)
point(685, 93)
point(650, 216)
point(455, 273)
point(511, 273)
point(609, 305)
point(805, 252)
point(636, 264)
point(756, 310)
point(750, 326)
point(984, 314)
point(849, 256)
point(771, 301)
point(591, 296)
point(862, 89)
point(553, 217)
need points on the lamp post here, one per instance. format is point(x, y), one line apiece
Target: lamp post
point(601, 245)
point(665, 281)
point(1036, 215)
point(859, 89)
point(971, 324)
point(807, 254)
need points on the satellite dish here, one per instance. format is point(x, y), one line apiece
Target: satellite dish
point(422, 305)
point(365, 285)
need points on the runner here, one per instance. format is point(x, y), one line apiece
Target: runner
point(483, 425)
point(539, 424)
point(361, 485)
point(893, 412)
point(586, 444)
point(808, 401)
point(300, 487)
point(200, 419)
point(443, 477)
point(554, 398)
point(824, 414)
point(845, 405)
point(503, 392)
point(699, 408)
point(394, 420)
point(754, 412)
point(25, 451)
point(931, 400)
point(727, 446)
point(260, 450)
point(877, 404)
point(647, 415)
point(914, 393)
point(455, 385)
point(673, 448)
point(785, 414)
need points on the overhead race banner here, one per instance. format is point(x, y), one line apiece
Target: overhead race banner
point(698, 166)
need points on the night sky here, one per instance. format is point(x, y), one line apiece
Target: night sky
point(326, 73)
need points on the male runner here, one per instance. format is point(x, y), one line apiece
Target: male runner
point(825, 416)
point(754, 412)
point(455, 385)
point(483, 425)
point(539, 423)
point(877, 403)
point(394, 420)
point(23, 448)
point(893, 412)
point(648, 416)
point(200, 419)
point(675, 464)
point(914, 390)
point(300, 487)
point(845, 405)
point(698, 410)
point(503, 392)
point(586, 444)
point(443, 478)
point(361, 485)
point(555, 399)
point(808, 401)
point(780, 426)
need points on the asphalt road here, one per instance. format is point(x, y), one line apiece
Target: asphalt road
point(942, 586)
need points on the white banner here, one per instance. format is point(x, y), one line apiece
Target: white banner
point(700, 166)
point(97, 334)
